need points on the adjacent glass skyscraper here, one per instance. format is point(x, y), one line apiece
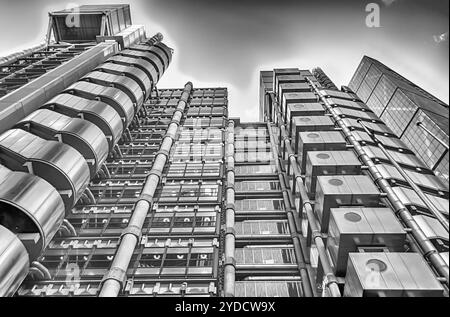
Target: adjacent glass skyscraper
point(402, 105)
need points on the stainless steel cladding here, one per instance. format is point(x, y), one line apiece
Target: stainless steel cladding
point(377, 128)
point(14, 262)
point(353, 228)
point(114, 97)
point(337, 191)
point(99, 113)
point(303, 110)
point(161, 54)
point(309, 124)
point(23, 101)
point(125, 84)
point(357, 114)
point(296, 97)
point(318, 141)
point(82, 135)
point(391, 275)
point(167, 50)
point(142, 51)
point(138, 75)
point(59, 164)
point(319, 163)
point(31, 208)
point(427, 182)
point(434, 230)
point(406, 160)
point(411, 200)
point(8, 59)
point(138, 62)
point(388, 142)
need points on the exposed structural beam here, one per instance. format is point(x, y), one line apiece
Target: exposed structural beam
point(330, 280)
point(293, 227)
point(230, 234)
point(439, 216)
point(422, 126)
point(429, 250)
point(114, 280)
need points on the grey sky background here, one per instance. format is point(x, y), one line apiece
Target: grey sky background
point(227, 42)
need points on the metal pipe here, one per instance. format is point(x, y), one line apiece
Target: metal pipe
point(230, 234)
point(421, 125)
point(114, 280)
point(425, 244)
point(439, 216)
point(11, 58)
point(272, 278)
point(330, 280)
point(306, 282)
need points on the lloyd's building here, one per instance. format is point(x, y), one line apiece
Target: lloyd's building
point(111, 187)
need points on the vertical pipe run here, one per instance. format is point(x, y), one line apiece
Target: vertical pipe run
point(429, 250)
point(330, 281)
point(114, 280)
point(230, 234)
point(306, 283)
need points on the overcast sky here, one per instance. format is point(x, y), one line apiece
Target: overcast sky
point(227, 42)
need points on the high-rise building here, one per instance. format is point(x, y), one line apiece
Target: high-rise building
point(112, 187)
point(418, 118)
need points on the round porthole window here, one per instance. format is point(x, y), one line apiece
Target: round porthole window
point(376, 266)
point(335, 182)
point(352, 217)
point(323, 156)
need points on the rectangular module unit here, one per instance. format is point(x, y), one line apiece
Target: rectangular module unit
point(342, 191)
point(318, 141)
point(302, 110)
point(353, 228)
point(390, 275)
point(296, 97)
point(320, 163)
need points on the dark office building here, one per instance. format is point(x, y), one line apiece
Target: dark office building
point(111, 187)
point(403, 105)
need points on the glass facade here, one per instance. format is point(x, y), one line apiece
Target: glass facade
point(424, 144)
point(401, 105)
point(399, 112)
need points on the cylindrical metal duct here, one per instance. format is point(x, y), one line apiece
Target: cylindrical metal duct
point(115, 278)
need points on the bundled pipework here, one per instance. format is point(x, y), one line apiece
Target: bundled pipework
point(49, 158)
point(114, 280)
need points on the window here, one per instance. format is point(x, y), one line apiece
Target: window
point(265, 256)
point(399, 113)
point(190, 192)
point(424, 145)
point(254, 186)
point(260, 205)
point(255, 169)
